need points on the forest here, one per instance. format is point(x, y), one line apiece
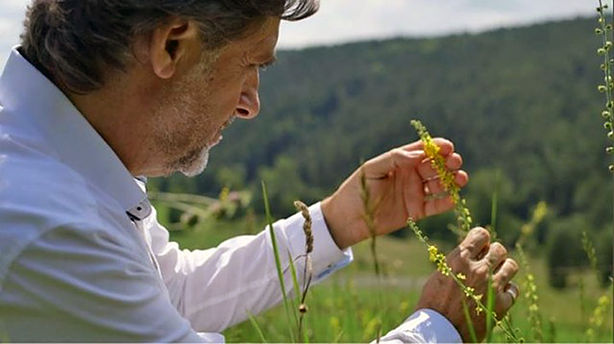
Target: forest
point(520, 104)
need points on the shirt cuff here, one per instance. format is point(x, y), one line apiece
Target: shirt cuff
point(427, 326)
point(326, 257)
point(211, 337)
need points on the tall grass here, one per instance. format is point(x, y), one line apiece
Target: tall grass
point(531, 294)
point(369, 209)
point(280, 274)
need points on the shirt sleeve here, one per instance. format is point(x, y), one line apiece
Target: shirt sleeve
point(78, 284)
point(424, 326)
point(220, 287)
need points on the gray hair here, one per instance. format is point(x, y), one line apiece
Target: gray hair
point(75, 41)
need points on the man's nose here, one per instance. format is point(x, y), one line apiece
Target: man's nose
point(249, 101)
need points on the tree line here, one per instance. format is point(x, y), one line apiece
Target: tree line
point(520, 104)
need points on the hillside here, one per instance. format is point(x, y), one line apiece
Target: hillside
point(522, 101)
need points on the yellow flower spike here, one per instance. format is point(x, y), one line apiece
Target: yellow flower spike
point(440, 260)
point(447, 179)
point(604, 301)
point(432, 253)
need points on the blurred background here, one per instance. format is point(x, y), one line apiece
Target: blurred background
point(512, 83)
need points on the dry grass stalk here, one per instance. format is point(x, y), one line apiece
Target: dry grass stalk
point(308, 269)
point(369, 217)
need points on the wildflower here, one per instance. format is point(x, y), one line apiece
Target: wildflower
point(403, 307)
point(446, 178)
point(596, 319)
point(464, 221)
point(432, 253)
point(540, 212)
point(443, 268)
point(335, 323)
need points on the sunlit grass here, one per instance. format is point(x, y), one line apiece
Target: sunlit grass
point(340, 308)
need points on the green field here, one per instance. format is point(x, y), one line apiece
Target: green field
point(345, 308)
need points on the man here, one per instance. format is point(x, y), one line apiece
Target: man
point(103, 93)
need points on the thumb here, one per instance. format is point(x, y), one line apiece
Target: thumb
point(397, 158)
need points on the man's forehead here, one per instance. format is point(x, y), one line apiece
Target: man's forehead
point(258, 43)
point(264, 39)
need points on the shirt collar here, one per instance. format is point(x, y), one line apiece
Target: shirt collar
point(29, 94)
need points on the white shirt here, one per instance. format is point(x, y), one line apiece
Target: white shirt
point(83, 257)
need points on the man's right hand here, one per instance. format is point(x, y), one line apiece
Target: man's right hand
point(475, 257)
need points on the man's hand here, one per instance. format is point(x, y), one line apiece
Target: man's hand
point(475, 257)
point(400, 184)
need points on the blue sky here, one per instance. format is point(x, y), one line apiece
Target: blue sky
point(352, 20)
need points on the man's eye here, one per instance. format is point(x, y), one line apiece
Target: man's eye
point(265, 66)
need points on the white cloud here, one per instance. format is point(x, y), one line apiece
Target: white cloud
point(351, 20)
point(11, 18)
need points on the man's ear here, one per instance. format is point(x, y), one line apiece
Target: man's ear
point(170, 44)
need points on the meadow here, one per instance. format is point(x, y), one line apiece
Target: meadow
point(344, 308)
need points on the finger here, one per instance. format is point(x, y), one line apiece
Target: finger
point(426, 170)
point(506, 299)
point(505, 273)
point(438, 205)
point(434, 186)
point(397, 158)
point(446, 147)
point(476, 240)
point(495, 256)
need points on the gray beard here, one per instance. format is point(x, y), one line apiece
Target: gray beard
point(196, 164)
